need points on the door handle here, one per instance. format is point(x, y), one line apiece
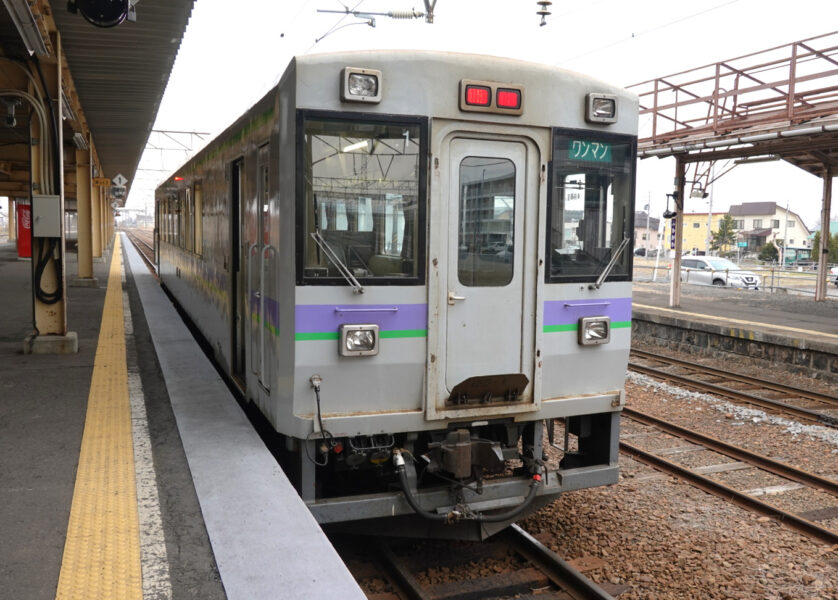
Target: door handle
point(452, 298)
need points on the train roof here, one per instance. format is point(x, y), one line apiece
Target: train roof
point(427, 83)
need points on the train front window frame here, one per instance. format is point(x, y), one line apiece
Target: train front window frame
point(361, 191)
point(589, 205)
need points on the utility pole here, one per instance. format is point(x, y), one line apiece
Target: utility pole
point(785, 238)
point(709, 212)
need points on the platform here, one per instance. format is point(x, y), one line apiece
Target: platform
point(783, 330)
point(211, 515)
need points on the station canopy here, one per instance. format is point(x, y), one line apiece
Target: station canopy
point(113, 78)
point(776, 104)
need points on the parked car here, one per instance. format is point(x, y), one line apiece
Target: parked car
point(833, 276)
point(712, 270)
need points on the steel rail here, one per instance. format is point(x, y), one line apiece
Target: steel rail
point(560, 572)
point(770, 385)
point(135, 239)
point(720, 390)
point(757, 460)
point(401, 575)
point(727, 493)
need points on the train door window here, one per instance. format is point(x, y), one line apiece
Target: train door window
point(363, 206)
point(486, 228)
point(589, 206)
point(198, 199)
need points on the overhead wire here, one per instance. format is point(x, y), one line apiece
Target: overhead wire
point(645, 32)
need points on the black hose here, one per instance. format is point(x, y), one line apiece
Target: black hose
point(479, 517)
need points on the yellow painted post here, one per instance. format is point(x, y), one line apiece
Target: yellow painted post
point(95, 220)
point(48, 273)
point(83, 206)
point(12, 219)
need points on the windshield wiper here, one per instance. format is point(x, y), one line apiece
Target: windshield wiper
point(335, 260)
point(610, 265)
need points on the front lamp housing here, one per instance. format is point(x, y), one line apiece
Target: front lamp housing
point(601, 108)
point(360, 85)
point(594, 331)
point(358, 340)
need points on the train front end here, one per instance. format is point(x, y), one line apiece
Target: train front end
point(453, 351)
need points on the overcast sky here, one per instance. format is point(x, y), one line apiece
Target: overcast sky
point(234, 52)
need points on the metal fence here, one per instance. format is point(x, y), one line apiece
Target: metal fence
point(773, 279)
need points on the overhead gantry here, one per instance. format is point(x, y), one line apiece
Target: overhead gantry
point(776, 104)
point(77, 104)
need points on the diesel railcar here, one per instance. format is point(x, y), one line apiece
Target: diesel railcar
point(416, 265)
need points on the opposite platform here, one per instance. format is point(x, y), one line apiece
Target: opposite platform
point(774, 330)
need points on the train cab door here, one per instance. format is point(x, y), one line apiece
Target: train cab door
point(259, 262)
point(488, 298)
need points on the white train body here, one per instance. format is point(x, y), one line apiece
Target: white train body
point(423, 236)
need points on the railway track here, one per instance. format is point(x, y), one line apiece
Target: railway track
point(782, 477)
point(143, 241)
point(511, 564)
point(809, 406)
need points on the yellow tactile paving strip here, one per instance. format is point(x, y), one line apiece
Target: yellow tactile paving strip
point(102, 550)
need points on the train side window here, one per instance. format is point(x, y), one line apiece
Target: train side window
point(198, 199)
point(486, 228)
point(589, 208)
point(188, 221)
point(363, 197)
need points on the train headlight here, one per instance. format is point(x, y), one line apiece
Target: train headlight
point(602, 108)
point(360, 85)
point(358, 340)
point(594, 330)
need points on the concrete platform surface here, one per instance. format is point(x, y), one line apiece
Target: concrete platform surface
point(796, 316)
point(240, 535)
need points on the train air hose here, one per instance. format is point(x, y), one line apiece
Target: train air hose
point(535, 483)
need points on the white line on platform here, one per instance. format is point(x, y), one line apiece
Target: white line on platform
point(153, 557)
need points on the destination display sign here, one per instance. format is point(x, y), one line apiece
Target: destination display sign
point(589, 151)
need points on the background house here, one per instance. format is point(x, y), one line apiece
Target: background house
point(760, 223)
point(646, 231)
point(695, 231)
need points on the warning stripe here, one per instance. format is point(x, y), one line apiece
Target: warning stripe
point(102, 550)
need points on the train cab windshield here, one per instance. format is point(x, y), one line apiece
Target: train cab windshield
point(363, 200)
point(589, 207)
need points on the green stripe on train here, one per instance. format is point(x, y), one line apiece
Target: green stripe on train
point(575, 326)
point(333, 335)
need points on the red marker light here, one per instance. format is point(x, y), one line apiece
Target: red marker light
point(509, 98)
point(478, 95)
point(178, 178)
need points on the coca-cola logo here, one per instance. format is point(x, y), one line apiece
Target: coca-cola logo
point(25, 221)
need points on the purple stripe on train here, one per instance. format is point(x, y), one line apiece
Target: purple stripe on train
point(314, 318)
point(271, 308)
point(566, 312)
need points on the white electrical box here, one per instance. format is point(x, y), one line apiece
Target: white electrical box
point(46, 216)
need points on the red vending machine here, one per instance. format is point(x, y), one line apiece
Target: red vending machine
point(24, 229)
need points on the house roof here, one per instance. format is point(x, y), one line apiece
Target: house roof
point(640, 220)
point(746, 209)
point(757, 232)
